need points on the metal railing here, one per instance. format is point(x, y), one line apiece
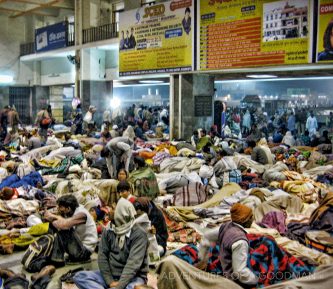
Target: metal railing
point(27, 48)
point(103, 32)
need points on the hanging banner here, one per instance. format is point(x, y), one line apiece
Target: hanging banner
point(325, 31)
point(246, 33)
point(51, 37)
point(157, 39)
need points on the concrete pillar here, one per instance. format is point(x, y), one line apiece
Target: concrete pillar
point(185, 90)
point(78, 41)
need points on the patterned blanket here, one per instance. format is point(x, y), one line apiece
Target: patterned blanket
point(271, 263)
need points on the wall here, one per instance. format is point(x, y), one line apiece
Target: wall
point(111, 64)
point(185, 89)
point(12, 34)
point(57, 71)
point(93, 64)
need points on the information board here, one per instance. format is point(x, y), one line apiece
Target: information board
point(157, 39)
point(51, 37)
point(203, 105)
point(246, 33)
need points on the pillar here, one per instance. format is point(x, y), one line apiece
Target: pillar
point(191, 104)
point(78, 42)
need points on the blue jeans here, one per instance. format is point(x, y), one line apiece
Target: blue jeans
point(94, 280)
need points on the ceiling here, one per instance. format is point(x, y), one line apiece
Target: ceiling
point(17, 8)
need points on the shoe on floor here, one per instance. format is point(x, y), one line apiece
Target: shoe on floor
point(46, 271)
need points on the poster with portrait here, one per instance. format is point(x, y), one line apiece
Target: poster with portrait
point(157, 38)
point(325, 31)
point(249, 33)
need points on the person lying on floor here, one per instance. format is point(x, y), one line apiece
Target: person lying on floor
point(155, 215)
point(75, 231)
point(122, 255)
point(234, 247)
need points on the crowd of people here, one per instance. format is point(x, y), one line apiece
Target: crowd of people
point(244, 199)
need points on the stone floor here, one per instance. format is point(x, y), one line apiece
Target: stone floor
point(13, 262)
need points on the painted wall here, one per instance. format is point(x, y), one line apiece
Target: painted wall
point(57, 71)
point(93, 64)
point(12, 33)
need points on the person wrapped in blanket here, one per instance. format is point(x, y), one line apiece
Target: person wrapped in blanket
point(234, 246)
point(158, 224)
point(122, 255)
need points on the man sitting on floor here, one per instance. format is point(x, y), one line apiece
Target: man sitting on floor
point(76, 232)
point(122, 256)
point(234, 247)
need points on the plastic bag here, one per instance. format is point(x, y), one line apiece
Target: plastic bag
point(153, 251)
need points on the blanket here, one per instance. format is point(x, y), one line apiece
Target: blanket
point(269, 262)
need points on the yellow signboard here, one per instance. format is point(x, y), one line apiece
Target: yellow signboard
point(325, 31)
point(157, 39)
point(247, 33)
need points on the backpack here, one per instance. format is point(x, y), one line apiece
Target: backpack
point(45, 121)
point(191, 195)
point(37, 253)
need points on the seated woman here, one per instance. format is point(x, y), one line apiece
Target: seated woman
point(155, 215)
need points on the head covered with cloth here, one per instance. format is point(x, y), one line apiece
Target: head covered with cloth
point(124, 217)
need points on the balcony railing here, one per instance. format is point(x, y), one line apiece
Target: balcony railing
point(103, 32)
point(29, 48)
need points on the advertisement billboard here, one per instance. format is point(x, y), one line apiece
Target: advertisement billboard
point(325, 31)
point(51, 37)
point(157, 39)
point(247, 33)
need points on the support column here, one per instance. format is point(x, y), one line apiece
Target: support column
point(78, 42)
point(186, 89)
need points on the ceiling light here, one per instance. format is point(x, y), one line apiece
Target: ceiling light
point(261, 76)
point(6, 78)
point(115, 102)
point(151, 81)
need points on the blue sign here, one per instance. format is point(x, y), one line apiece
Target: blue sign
point(173, 33)
point(51, 37)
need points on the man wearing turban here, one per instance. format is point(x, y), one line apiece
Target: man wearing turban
point(234, 246)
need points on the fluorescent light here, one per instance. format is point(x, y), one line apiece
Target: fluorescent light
point(260, 76)
point(6, 78)
point(151, 81)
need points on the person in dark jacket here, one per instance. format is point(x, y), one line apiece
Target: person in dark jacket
point(155, 215)
point(122, 256)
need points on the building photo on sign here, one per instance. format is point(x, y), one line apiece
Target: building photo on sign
point(285, 19)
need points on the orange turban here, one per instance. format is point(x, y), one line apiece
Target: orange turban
point(240, 214)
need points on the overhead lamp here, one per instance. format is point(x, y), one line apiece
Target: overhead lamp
point(6, 78)
point(115, 102)
point(261, 76)
point(151, 81)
